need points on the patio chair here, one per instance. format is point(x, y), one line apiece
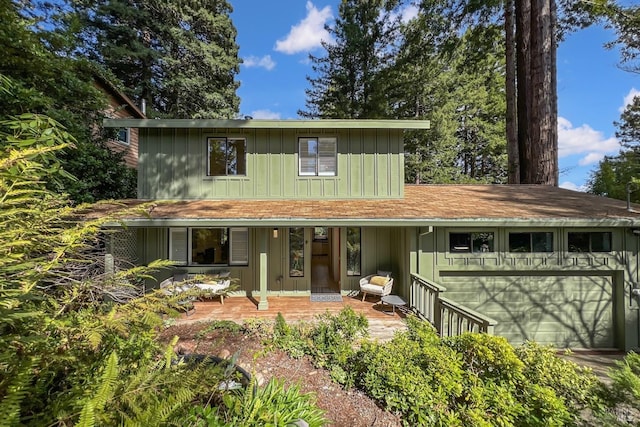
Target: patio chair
point(380, 284)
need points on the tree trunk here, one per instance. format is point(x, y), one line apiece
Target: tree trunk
point(523, 56)
point(543, 124)
point(513, 163)
point(537, 118)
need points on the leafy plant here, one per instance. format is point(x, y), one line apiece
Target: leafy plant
point(226, 325)
point(272, 405)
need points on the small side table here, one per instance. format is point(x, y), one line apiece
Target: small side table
point(394, 301)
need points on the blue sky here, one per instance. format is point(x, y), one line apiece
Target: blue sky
point(276, 37)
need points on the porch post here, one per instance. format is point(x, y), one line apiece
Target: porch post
point(263, 304)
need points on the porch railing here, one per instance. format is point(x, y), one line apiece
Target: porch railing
point(448, 317)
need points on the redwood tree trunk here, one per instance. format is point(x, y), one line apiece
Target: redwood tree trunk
point(513, 162)
point(536, 91)
point(523, 61)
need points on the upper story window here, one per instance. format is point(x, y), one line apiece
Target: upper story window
point(589, 241)
point(124, 136)
point(317, 156)
point(227, 156)
point(471, 242)
point(531, 242)
point(209, 246)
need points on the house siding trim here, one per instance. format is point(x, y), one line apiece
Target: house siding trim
point(268, 124)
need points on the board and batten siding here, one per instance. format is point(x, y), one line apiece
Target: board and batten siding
point(173, 165)
point(562, 298)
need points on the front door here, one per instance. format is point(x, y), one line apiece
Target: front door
point(325, 260)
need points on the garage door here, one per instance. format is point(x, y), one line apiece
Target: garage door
point(565, 311)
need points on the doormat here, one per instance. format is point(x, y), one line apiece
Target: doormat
point(326, 298)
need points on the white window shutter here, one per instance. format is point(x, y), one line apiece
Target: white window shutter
point(178, 245)
point(239, 250)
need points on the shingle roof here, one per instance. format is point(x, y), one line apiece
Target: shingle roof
point(422, 204)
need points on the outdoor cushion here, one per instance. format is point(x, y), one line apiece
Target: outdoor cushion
point(384, 273)
point(379, 280)
point(179, 277)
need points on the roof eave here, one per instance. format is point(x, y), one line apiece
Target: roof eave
point(266, 124)
point(381, 222)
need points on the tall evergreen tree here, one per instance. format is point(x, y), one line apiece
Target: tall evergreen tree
point(180, 57)
point(62, 88)
point(457, 83)
point(351, 80)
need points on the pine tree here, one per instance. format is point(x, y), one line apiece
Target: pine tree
point(180, 57)
point(351, 81)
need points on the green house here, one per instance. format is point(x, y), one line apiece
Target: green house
point(273, 201)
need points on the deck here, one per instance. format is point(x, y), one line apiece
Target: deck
point(382, 325)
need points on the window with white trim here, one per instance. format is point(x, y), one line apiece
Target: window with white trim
point(209, 246)
point(124, 136)
point(226, 156)
point(317, 156)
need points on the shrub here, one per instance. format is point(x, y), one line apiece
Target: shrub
point(274, 404)
point(471, 380)
point(575, 386)
point(332, 338)
point(417, 378)
point(626, 380)
point(288, 339)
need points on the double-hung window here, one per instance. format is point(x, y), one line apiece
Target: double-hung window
point(226, 156)
point(209, 246)
point(317, 156)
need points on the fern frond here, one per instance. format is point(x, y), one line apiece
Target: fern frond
point(15, 391)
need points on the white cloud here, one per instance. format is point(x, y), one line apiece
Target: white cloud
point(265, 114)
point(590, 159)
point(308, 34)
point(265, 62)
point(408, 13)
point(629, 98)
point(571, 186)
point(585, 141)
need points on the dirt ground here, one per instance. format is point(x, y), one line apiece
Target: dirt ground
point(342, 407)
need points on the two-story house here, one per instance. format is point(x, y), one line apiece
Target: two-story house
point(271, 200)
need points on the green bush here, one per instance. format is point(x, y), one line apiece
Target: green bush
point(575, 386)
point(626, 380)
point(471, 380)
point(288, 338)
point(331, 341)
point(271, 405)
point(412, 375)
